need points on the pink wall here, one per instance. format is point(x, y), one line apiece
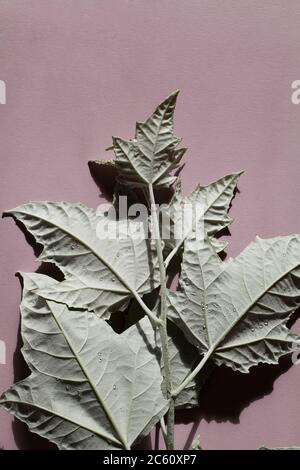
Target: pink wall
point(79, 71)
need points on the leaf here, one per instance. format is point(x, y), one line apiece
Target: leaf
point(206, 208)
point(152, 154)
point(156, 134)
point(90, 388)
point(236, 312)
point(102, 271)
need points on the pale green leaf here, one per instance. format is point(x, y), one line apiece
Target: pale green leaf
point(205, 209)
point(102, 271)
point(236, 312)
point(90, 388)
point(152, 154)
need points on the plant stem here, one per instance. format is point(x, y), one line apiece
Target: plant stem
point(155, 320)
point(193, 374)
point(163, 318)
point(163, 429)
point(173, 253)
point(170, 424)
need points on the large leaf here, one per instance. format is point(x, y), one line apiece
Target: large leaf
point(104, 261)
point(152, 154)
point(236, 312)
point(90, 388)
point(206, 208)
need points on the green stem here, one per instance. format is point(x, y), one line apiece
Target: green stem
point(173, 253)
point(155, 320)
point(163, 318)
point(163, 429)
point(193, 374)
point(170, 424)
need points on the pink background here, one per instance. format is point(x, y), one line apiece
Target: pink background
point(78, 71)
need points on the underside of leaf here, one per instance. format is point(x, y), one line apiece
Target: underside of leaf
point(152, 154)
point(105, 262)
point(90, 388)
point(236, 311)
point(205, 210)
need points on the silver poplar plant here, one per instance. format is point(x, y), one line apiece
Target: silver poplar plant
point(93, 388)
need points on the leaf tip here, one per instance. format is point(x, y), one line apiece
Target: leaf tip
point(172, 97)
point(175, 92)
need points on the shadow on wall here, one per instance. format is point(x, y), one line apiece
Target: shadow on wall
point(238, 390)
point(227, 393)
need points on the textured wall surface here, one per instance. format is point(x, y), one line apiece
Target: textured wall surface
point(78, 71)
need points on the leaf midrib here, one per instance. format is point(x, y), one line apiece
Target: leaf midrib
point(213, 347)
point(106, 410)
point(101, 259)
point(182, 240)
point(103, 435)
point(155, 142)
point(246, 310)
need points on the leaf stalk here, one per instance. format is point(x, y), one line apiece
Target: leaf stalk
point(163, 318)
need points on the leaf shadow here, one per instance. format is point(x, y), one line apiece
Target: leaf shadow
point(227, 393)
point(104, 177)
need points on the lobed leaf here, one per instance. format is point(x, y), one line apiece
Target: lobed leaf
point(102, 271)
point(236, 311)
point(152, 154)
point(205, 209)
point(90, 388)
